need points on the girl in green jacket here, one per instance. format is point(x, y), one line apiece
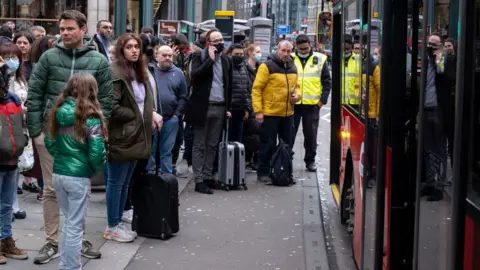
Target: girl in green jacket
point(77, 143)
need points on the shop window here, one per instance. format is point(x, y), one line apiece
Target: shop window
point(27, 13)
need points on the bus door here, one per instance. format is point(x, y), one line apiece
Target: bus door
point(435, 201)
point(465, 239)
point(393, 202)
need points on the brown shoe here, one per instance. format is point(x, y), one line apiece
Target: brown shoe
point(9, 250)
point(3, 260)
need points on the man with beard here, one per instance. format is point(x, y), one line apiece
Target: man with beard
point(274, 94)
point(103, 37)
point(171, 95)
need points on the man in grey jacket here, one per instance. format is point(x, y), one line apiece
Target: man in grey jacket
point(171, 95)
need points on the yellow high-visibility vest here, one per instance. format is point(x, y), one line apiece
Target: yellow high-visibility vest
point(309, 78)
point(351, 80)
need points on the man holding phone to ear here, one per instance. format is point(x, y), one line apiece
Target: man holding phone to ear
point(210, 102)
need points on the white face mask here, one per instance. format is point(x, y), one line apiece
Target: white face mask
point(303, 55)
point(258, 57)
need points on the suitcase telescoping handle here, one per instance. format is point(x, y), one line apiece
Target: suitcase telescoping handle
point(157, 155)
point(225, 133)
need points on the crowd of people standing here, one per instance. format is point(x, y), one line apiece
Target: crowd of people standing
point(106, 105)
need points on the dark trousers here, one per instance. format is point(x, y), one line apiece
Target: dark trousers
point(434, 148)
point(273, 127)
point(188, 140)
point(309, 115)
point(178, 143)
point(236, 126)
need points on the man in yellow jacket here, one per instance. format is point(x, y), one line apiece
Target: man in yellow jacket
point(314, 82)
point(273, 94)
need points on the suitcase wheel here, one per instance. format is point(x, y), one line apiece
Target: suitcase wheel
point(245, 187)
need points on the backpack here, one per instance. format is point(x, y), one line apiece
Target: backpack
point(281, 166)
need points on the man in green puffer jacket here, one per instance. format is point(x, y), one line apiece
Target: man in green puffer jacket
point(72, 54)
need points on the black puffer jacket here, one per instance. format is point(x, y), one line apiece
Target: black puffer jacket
point(251, 78)
point(240, 83)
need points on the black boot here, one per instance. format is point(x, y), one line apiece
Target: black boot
point(311, 167)
point(203, 188)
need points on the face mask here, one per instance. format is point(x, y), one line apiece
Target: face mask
point(219, 47)
point(375, 58)
point(258, 57)
point(237, 60)
point(303, 55)
point(347, 55)
point(13, 64)
point(431, 51)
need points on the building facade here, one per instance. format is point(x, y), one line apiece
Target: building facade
point(26, 13)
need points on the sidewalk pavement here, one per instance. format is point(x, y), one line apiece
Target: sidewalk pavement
point(265, 227)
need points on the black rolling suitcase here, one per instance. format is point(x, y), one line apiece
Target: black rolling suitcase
point(155, 199)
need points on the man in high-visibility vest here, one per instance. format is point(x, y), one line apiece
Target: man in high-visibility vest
point(351, 67)
point(315, 83)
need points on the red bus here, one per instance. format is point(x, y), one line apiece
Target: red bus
point(393, 224)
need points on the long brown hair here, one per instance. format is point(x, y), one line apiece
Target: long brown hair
point(133, 71)
point(83, 88)
point(40, 46)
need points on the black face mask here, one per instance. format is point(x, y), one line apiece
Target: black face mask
point(219, 47)
point(431, 51)
point(237, 60)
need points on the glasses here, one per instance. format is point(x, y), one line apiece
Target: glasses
point(10, 57)
point(217, 40)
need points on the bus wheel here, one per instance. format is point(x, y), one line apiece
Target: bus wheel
point(350, 205)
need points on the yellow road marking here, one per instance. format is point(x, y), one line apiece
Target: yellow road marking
point(336, 194)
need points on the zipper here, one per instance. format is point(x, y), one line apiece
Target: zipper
point(72, 69)
point(303, 77)
point(288, 90)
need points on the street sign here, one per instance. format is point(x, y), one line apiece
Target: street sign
point(224, 23)
point(283, 29)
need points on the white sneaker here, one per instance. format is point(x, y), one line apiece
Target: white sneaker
point(126, 228)
point(127, 216)
point(190, 169)
point(118, 234)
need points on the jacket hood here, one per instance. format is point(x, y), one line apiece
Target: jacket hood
point(88, 45)
point(4, 40)
point(65, 115)
point(196, 46)
point(275, 58)
point(117, 73)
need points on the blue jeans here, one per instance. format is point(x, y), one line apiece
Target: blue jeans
point(8, 184)
point(15, 205)
point(168, 136)
point(72, 196)
point(119, 175)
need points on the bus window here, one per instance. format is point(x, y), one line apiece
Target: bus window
point(351, 67)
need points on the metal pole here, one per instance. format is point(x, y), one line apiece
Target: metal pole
point(465, 92)
point(263, 12)
point(323, 5)
point(147, 9)
point(366, 10)
point(120, 17)
point(419, 175)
